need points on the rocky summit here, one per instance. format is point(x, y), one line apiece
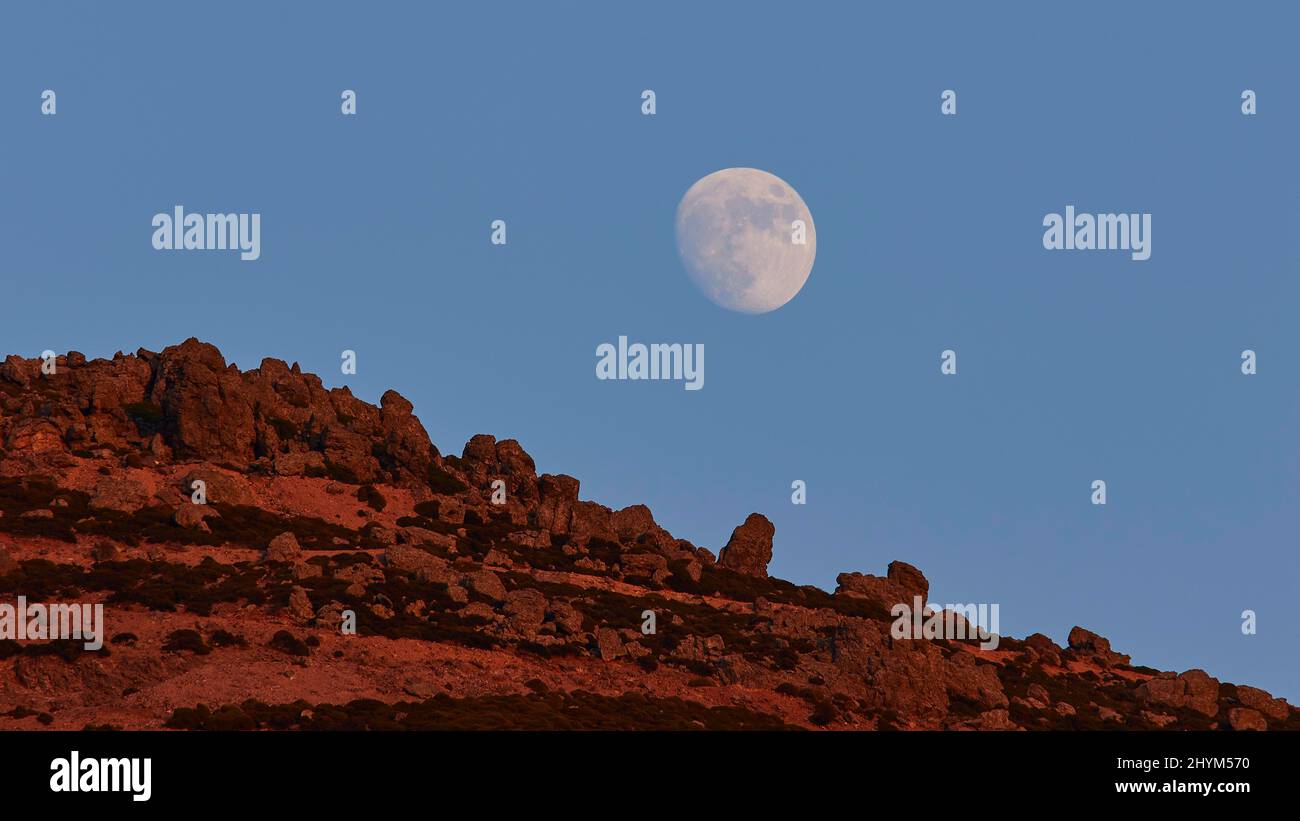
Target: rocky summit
point(269, 553)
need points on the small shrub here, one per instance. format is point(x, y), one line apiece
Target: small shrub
point(286, 642)
point(372, 498)
point(224, 638)
point(182, 640)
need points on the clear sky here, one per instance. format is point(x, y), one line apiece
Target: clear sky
point(1072, 366)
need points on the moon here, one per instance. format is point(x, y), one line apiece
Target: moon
point(736, 237)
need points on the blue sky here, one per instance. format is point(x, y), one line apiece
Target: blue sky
point(1072, 366)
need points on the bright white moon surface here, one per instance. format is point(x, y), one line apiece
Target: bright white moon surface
point(737, 236)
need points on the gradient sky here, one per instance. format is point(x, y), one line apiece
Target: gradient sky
point(1072, 366)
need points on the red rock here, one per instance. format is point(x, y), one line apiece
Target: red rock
point(1244, 718)
point(1081, 639)
point(485, 460)
point(284, 548)
point(35, 437)
point(300, 605)
point(421, 563)
point(1042, 643)
point(1193, 689)
point(525, 610)
point(592, 521)
point(901, 586)
point(121, 494)
point(276, 439)
point(609, 644)
point(219, 487)
point(486, 583)
point(558, 495)
point(645, 565)
point(909, 579)
point(191, 516)
point(749, 549)
point(1257, 699)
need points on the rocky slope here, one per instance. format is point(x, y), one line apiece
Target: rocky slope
point(232, 608)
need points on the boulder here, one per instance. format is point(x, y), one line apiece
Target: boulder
point(903, 584)
point(1194, 689)
point(1088, 643)
point(531, 538)
point(645, 565)
point(423, 536)
point(420, 563)
point(307, 570)
point(592, 521)
point(207, 413)
point(330, 616)
point(635, 525)
point(1244, 718)
point(300, 605)
point(608, 643)
point(910, 681)
point(1042, 643)
point(191, 516)
point(121, 494)
point(485, 460)
point(34, 438)
point(284, 548)
point(486, 584)
point(525, 610)
point(363, 574)
point(693, 570)
point(749, 549)
point(1039, 646)
point(219, 487)
point(908, 579)
point(301, 463)
point(1257, 699)
point(567, 618)
point(1081, 639)
point(558, 495)
point(974, 682)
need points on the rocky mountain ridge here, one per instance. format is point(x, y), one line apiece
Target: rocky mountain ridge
point(237, 525)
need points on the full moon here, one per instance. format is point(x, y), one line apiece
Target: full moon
point(738, 236)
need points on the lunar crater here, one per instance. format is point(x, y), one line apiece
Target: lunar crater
point(736, 237)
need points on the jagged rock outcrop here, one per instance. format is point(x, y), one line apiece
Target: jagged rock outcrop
point(1260, 701)
point(749, 549)
point(1089, 644)
point(187, 404)
point(239, 524)
point(484, 459)
point(557, 497)
point(1194, 689)
point(901, 585)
